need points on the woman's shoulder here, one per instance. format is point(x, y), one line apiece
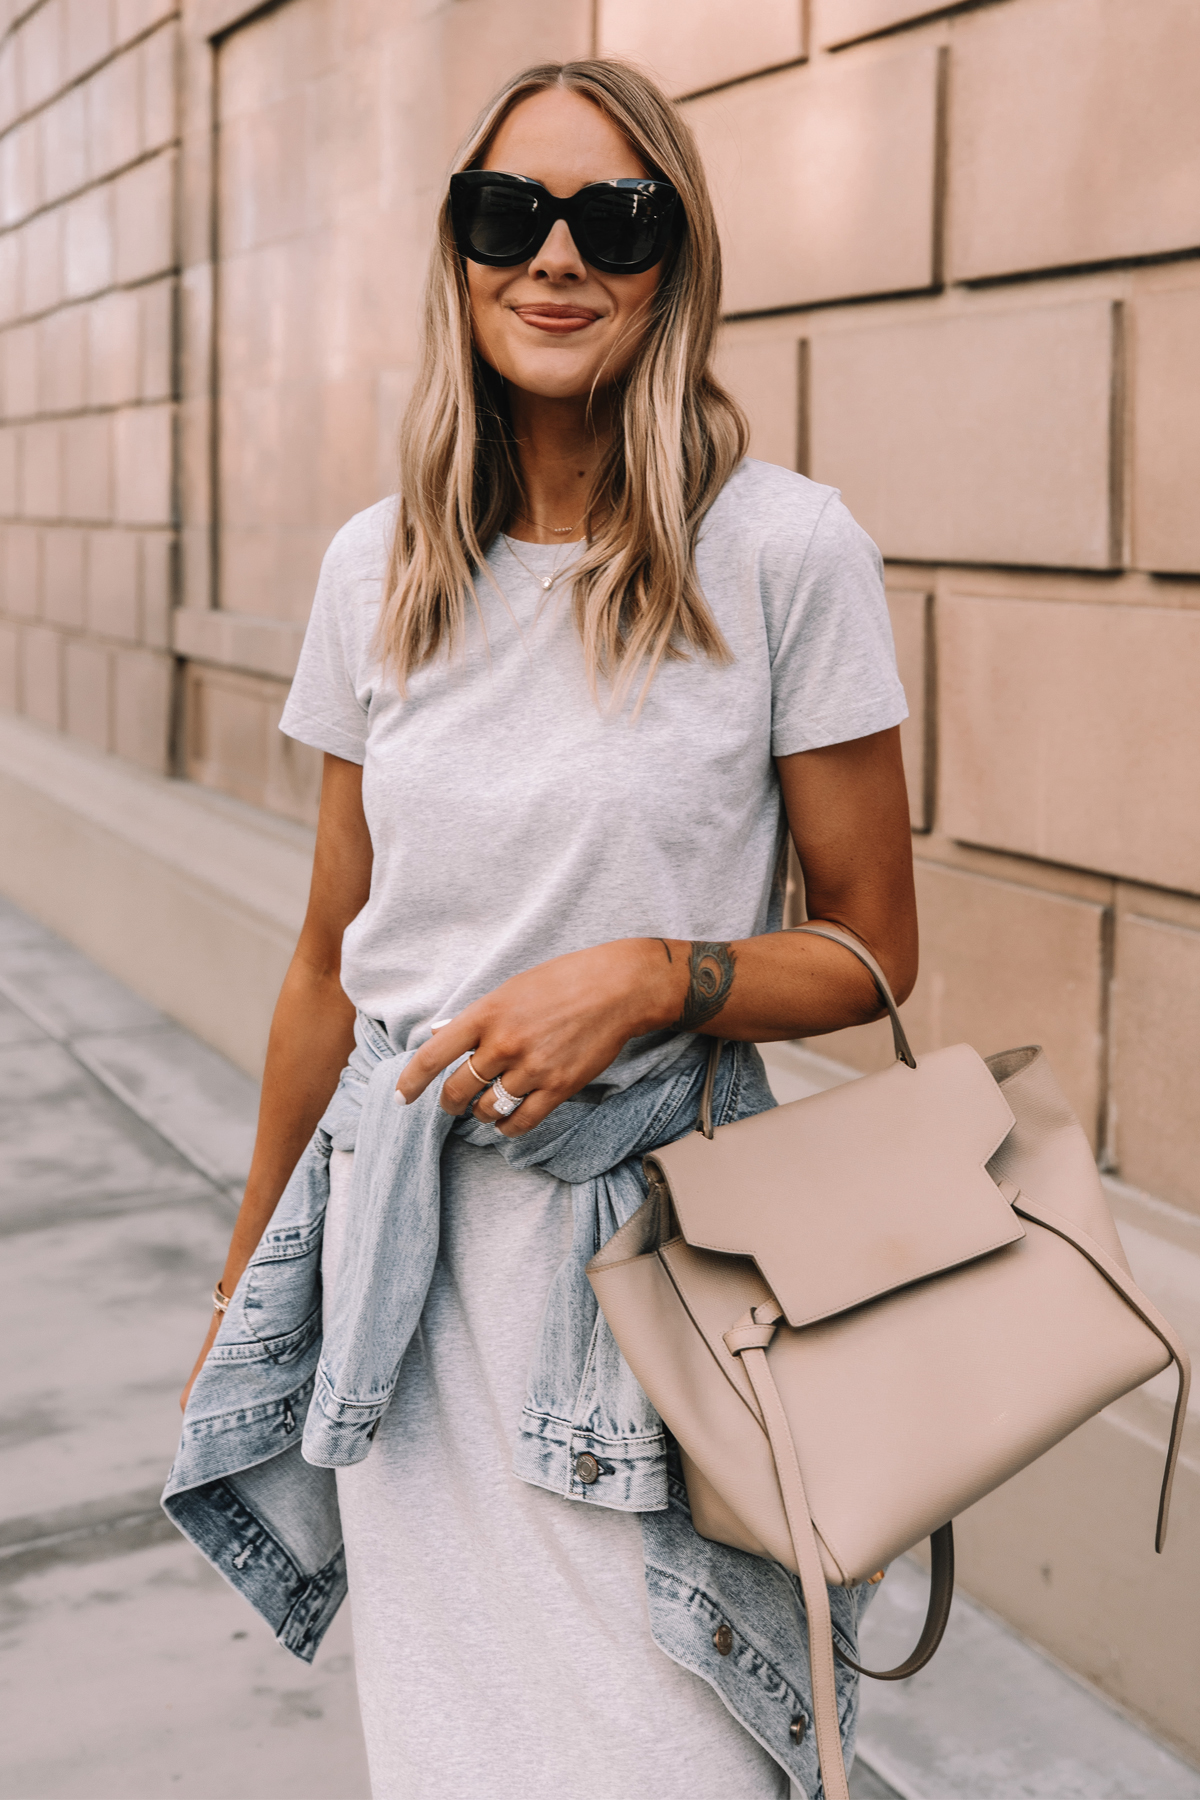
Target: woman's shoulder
point(755, 484)
point(781, 515)
point(792, 531)
point(360, 549)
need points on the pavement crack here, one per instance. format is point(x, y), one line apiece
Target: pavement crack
point(89, 1532)
point(99, 1071)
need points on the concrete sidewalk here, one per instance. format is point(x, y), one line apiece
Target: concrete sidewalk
point(131, 1671)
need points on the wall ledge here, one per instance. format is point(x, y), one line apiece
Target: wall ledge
point(237, 641)
point(192, 898)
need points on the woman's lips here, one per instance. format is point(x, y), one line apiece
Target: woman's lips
point(559, 321)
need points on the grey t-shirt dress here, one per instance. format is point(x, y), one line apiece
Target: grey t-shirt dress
point(502, 1636)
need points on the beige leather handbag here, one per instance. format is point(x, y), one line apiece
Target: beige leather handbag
point(861, 1312)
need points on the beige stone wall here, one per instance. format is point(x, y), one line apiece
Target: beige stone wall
point(88, 171)
point(315, 138)
point(966, 294)
point(963, 285)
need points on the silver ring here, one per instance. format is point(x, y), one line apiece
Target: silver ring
point(483, 1082)
point(504, 1102)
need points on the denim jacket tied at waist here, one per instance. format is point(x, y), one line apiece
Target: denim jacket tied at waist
point(287, 1395)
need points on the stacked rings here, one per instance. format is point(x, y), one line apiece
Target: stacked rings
point(504, 1102)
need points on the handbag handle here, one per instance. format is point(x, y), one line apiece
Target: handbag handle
point(835, 936)
point(903, 1052)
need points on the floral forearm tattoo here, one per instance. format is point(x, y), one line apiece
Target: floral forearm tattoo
point(710, 977)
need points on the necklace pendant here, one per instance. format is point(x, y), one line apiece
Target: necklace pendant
point(548, 581)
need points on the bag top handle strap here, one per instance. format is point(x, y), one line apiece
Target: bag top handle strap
point(835, 936)
point(903, 1053)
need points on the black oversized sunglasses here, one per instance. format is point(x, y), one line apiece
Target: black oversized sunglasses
point(620, 227)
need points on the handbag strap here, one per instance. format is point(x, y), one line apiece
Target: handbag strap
point(937, 1613)
point(837, 936)
point(753, 1352)
point(1116, 1276)
point(704, 1122)
point(904, 1054)
point(749, 1339)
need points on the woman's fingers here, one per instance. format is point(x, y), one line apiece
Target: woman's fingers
point(487, 1106)
point(482, 1102)
point(444, 1047)
point(548, 1031)
point(469, 1088)
point(532, 1110)
point(472, 1076)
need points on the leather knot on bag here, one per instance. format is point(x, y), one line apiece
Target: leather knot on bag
point(755, 1331)
point(861, 1312)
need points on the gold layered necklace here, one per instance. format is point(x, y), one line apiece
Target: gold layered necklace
point(545, 582)
point(558, 530)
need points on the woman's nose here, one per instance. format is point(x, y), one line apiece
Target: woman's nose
point(558, 259)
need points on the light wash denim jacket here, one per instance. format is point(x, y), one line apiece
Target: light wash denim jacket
point(286, 1396)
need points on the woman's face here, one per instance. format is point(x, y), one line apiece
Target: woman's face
point(554, 326)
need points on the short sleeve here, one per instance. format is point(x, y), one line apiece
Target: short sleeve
point(327, 706)
point(833, 662)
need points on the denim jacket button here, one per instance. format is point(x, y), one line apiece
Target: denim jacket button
point(723, 1639)
point(587, 1468)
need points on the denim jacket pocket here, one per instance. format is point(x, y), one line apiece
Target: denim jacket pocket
point(281, 1294)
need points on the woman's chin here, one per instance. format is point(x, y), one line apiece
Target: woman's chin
point(554, 377)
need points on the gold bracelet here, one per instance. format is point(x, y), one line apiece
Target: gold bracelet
point(220, 1300)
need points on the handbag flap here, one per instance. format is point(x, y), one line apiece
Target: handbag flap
point(848, 1194)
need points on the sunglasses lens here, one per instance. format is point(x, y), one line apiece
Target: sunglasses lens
point(501, 220)
point(620, 226)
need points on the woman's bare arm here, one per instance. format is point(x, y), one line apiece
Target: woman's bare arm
point(847, 808)
point(312, 1032)
point(553, 1029)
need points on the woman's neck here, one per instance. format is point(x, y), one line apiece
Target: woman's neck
point(559, 447)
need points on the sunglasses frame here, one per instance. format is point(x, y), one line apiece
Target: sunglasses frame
point(550, 209)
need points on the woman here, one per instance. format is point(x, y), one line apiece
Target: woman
point(569, 689)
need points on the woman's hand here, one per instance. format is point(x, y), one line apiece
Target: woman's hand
point(550, 1031)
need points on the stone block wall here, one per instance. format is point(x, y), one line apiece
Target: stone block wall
point(88, 280)
point(962, 286)
point(315, 139)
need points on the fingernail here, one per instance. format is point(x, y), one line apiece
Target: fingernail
point(436, 1024)
point(399, 1098)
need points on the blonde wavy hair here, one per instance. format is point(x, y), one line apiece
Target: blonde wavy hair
point(677, 438)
